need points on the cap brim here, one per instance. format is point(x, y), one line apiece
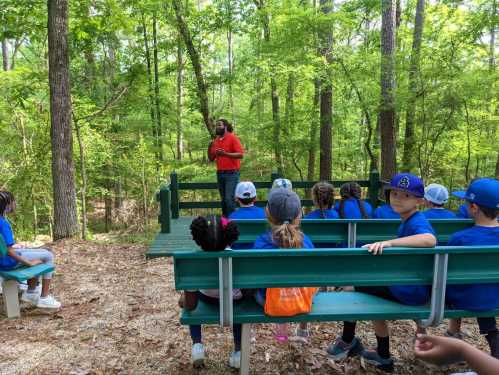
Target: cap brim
point(459, 194)
point(404, 190)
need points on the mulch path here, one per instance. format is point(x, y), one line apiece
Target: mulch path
point(120, 316)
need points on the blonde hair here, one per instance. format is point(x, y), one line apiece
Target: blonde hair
point(286, 235)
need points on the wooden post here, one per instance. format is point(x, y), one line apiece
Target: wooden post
point(374, 187)
point(174, 195)
point(164, 209)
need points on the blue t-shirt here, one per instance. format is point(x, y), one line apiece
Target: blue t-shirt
point(439, 213)
point(264, 241)
point(352, 209)
point(252, 212)
point(462, 212)
point(7, 262)
point(385, 212)
point(413, 294)
point(329, 214)
point(474, 297)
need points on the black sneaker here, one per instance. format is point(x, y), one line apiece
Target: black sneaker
point(340, 350)
point(373, 358)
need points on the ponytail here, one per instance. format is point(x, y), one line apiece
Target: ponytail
point(287, 236)
point(213, 233)
point(352, 190)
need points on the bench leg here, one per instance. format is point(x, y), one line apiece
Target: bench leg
point(245, 349)
point(11, 298)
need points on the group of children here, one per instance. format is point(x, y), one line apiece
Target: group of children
point(406, 194)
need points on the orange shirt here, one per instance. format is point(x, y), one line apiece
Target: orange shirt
point(229, 143)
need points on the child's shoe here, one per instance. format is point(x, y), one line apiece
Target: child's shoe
point(22, 286)
point(30, 297)
point(235, 359)
point(340, 350)
point(302, 332)
point(48, 302)
point(197, 355)
point(372, 357)
point(455, 335)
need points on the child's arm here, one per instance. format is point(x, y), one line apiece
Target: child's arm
point(418, 240)
point(11, 252)
point(443, 351)
point(188, 300)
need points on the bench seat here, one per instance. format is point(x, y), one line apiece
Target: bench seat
point(26, 273)
point(328, 306)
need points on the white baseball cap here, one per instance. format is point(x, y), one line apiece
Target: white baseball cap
point(245, 189)
point(282, 183)
point(436, 193)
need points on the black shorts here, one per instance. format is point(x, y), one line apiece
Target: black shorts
point(378, 291)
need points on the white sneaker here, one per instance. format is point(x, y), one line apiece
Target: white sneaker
point(235, 359)
point(22, 286)
point(197, 355)
point(48, 302)
point(31, 298)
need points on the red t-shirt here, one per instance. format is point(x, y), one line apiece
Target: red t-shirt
point(229, 143)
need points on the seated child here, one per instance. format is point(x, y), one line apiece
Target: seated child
point(435, 197)
point(482, 199)
point(28, 257)
point(323, 197)
point(351, 205)
point(385, 211)
point(284, 214)
point(406, 193)
point(246, 197)
point(212, 233)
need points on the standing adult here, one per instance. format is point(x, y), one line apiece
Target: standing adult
point(227, 150)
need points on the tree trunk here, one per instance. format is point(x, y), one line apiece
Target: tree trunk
point(180, 99)
point(230, 62)
point(314, 127)
point(159, 127)
point(387, 115)
point(84, 184)
point(289, 112)
point(5, 54)
point(492, 43)
point(65, 217)
point(152, 112)
point(408, 160)
point(196, 64)
point(326, 98)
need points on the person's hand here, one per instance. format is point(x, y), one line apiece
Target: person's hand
point(376, 248)
point(220, 152)
point(34, 262)
point(438, 350)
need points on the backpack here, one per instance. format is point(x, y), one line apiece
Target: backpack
point(289, 301)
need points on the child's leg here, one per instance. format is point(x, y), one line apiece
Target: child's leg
point(454, 327)
point(382, 338)
point(195, 331)
point(46, 257)
point(237, 330)
point(488, 328)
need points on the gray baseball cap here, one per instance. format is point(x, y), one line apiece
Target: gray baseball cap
point(284, 205)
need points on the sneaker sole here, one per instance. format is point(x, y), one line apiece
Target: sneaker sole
point(355, 351)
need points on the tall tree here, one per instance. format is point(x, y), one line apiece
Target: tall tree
point(260, 4)
point(5, 54)
point(387, 115)
point(326, 95)
point(180, 98)
point(196, 64)
point(159, 126)
point(409, 160)
point(65, 217)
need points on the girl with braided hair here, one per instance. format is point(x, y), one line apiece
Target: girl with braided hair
point(351, 205)
point(323, 197)
point(212, 233)
point(28, 257)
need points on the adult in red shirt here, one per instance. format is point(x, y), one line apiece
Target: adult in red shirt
point(227, 150)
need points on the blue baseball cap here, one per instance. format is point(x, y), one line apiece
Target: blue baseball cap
point(484, 192)
point(409, 183)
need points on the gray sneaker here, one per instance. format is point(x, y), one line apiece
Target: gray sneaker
point(340, 350)
point(373, 358)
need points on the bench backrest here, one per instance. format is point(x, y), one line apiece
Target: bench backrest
point(358, 230)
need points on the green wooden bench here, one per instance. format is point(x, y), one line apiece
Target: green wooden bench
point(11, 279)
point(248, 269)
point(347, 231)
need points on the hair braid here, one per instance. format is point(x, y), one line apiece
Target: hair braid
point(210, 234)
point(323, 194)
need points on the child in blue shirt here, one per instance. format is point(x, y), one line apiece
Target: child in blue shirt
point(351, 205)
point(284, 215)
point(482, 199)
point(323, 197)
point(385, 211)
point(435, 197)
point(29, 257)
point(246, 197)
point(406, 193)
